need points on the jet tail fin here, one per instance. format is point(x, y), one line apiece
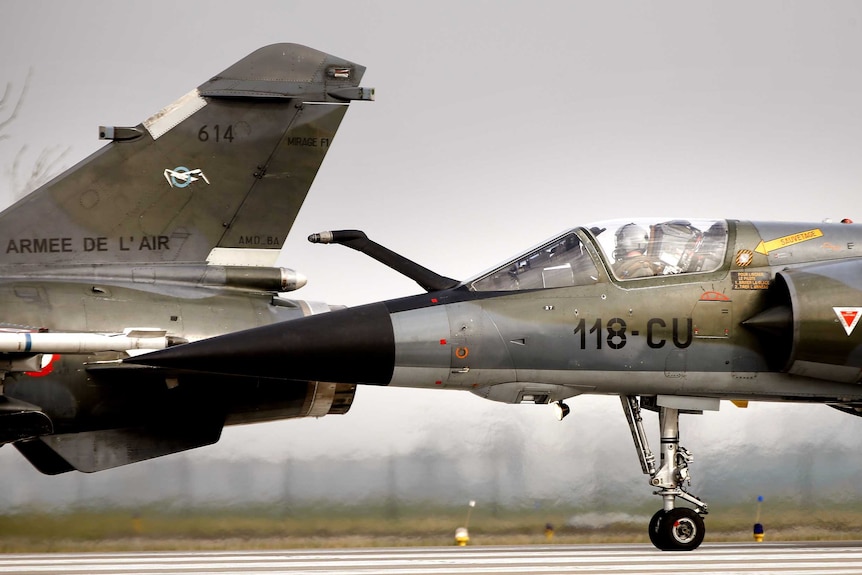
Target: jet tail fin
point(225, 167)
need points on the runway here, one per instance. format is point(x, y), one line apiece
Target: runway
point(795, 558)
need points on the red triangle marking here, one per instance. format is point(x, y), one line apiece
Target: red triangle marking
point(849, 316)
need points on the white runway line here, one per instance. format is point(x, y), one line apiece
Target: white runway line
point(629, 559)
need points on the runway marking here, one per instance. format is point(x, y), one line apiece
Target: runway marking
point(630, 559)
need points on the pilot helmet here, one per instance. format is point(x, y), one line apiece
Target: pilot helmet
point(629, 238)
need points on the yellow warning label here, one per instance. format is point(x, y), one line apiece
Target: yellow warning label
point(764, 247)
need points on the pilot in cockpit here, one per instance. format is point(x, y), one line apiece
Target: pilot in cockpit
point(630, 260)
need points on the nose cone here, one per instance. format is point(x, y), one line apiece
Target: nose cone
point(355, 345)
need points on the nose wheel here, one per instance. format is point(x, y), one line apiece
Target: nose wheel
point(680, 529)
point(670, 528)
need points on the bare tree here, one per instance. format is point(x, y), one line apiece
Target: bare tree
point(46, 164)
point(5, 102)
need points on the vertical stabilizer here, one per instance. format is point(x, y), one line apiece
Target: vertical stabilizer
point(226, 166)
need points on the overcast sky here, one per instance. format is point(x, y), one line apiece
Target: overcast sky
point(496, 125)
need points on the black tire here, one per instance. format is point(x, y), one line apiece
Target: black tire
point(682, 529)
point(656, 535)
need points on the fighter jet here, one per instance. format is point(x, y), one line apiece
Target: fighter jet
point(169, 233)
point(672, 315)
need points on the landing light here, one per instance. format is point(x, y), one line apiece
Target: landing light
point(561, 410)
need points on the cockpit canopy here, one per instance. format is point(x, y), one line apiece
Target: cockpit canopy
point(630, 249)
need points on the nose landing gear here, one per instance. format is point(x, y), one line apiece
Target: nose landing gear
point(671, 528)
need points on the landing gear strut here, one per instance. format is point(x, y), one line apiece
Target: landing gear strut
point(671, 528)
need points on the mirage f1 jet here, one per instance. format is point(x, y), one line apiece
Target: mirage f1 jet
point(167, 234)
point(671, 315)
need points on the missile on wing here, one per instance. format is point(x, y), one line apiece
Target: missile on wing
point(131, 340)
